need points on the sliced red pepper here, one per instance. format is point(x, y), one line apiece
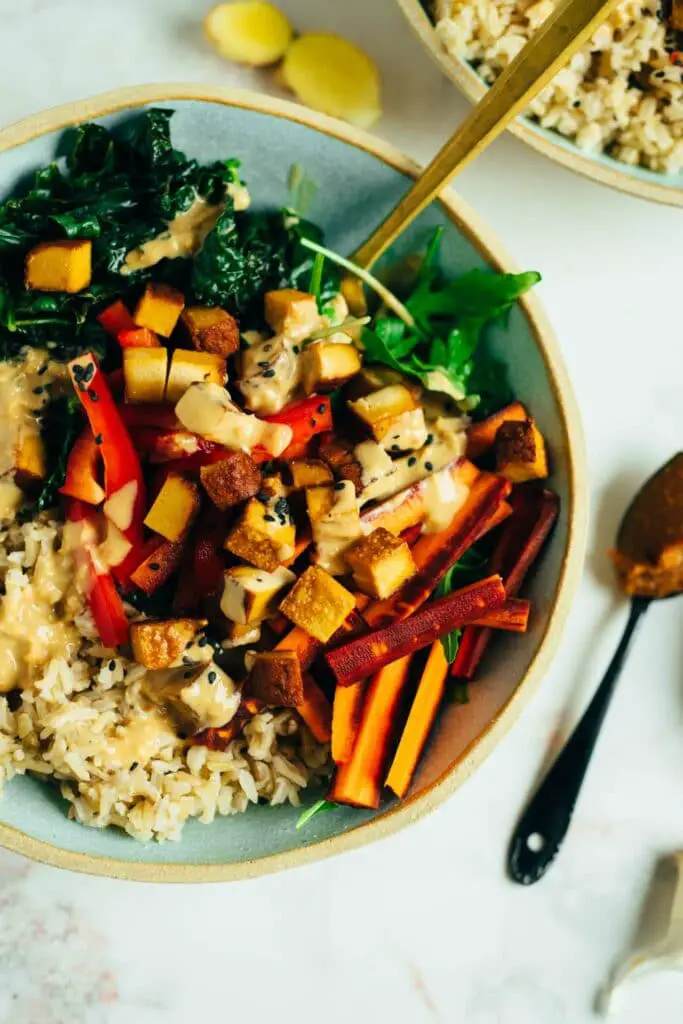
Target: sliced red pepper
point(104, 599)
point(116, 318)
point(307, 418)
point(121, 462)
point(138, 337)
point(159, 417)
point(82, 470)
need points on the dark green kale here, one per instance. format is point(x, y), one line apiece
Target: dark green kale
point(61, 423)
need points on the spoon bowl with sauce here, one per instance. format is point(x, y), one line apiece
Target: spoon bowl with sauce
point(649, 563)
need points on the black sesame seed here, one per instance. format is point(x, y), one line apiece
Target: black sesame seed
point(412, 460)
point(395, 447)
point(340, 486)
point(269, 373)
point(576, 103)
point(37, 391)
point(202, 642)
point(43, 369)
point(98, 439)
point(154, 566)
point(93, 396)
point(188, 675)
point(429, 438)
point(296, 350)
point(212, 677)
point(269, 519)
point(322, 408)
point(262, 496)
point(112, 665)
point(187, 661)
point(134, 765)
point(313, 422)
point(264, 366)
point(429, 466)
point(89, 372)
point(78, 372)
point(82, 386)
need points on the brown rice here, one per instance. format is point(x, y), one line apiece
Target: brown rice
point(619, 95)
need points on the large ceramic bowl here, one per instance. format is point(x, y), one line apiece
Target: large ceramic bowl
point(360, 180)
point(638, 181)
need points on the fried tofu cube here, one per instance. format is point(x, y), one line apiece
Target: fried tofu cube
point(160, 644)
point(264, 534)
point(380, 563)
point(309, 473)
point(319, 502)
point(318, 603)
point(144, 373)
point(239, 635)
point(158, 567)
point(276, 679)
point(249, 593)
point(211, 329)
point(327, 364)
point(291, 312)
point(29, 459)
point(520, 452)
point(159, 308)
point(59, 266)
point(191, 368)
point(201, 698)
point(174, 507)
point(231, 481)
point(380, 410)
point(341, 459)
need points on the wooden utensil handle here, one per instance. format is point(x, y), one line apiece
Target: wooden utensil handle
point(561, 35)
point(541, 829)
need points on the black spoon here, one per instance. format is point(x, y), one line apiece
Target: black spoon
point(649, 560)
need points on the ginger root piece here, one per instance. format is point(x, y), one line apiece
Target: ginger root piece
point(335, 76)
point(252, 32)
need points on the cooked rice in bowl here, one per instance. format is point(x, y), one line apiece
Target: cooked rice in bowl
point(620, 94)
point(83, 720)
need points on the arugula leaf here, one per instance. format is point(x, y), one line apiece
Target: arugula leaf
point(319, 807)
point(467, 569)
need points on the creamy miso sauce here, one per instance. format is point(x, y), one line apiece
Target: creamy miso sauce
point(19, 382)
point(337, 530)
point(140, 739)
point(271, 374)
point(445, 494)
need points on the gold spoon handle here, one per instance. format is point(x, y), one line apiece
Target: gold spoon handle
point(561, 35)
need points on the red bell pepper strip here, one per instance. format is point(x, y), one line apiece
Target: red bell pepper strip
point(158, 417)
point(104, 599)
point(138, 337)
point(307, 418)
point(121, 462)
point(116, 318)
point(82, 470)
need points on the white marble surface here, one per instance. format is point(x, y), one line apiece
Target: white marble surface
point(424, 926)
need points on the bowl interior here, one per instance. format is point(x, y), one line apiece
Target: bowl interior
point(357, 189)
point(601, 167)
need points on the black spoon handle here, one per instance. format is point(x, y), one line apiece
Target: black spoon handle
point(541, 829)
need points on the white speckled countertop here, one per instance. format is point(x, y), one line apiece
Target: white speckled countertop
point(424, 926)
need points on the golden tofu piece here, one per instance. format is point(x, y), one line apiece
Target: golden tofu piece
point(144, 373)
point(319, 501)
point(380, 410)
point(192, 368)
point(264, 534)
point(238, 634)
point(174, 508)
point(520, 452)
point(59, 266)
point(159, 308)
point(318, 604)
point(160, 644)
point(380, 563)
point(309, 473)
point(249, 593)
point(276, 679)
point(291, 312)
point(211, 329)
point(29, 458)
point(327, 364)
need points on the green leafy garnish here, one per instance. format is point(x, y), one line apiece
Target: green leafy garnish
point(61, 423)
point(319, 807)
point(468, 569)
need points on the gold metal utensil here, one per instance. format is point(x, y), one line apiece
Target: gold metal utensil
point(570, 25)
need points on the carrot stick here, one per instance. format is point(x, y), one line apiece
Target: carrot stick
point(359, 781)
point(347, 709)
point(534, 512)
point(409, 506)
point(420, 720)
point(434, 553)
point(302, 643)
point(512, 616)
point(370, 652)
point(316, 711)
